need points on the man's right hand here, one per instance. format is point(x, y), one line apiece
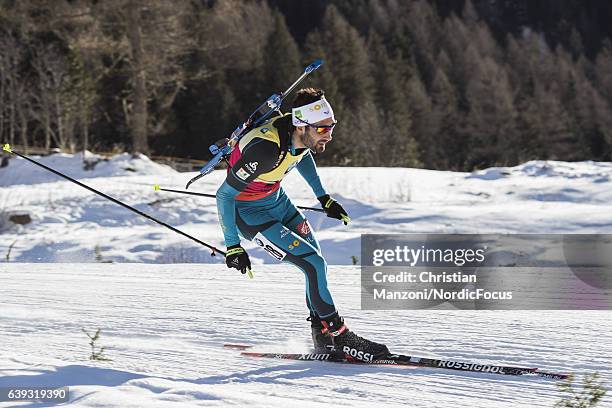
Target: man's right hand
point(236, 257)
point(333, 209)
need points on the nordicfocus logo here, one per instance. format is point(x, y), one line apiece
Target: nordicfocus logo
point(360, 355)
point(471, 367)
point(314, 357)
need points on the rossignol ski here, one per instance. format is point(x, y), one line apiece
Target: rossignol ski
point(263, 112)
point(403, 360)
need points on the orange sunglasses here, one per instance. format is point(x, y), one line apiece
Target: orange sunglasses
point(320, 129)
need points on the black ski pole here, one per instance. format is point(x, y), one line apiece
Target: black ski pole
point(158, 188)
point(7, 148)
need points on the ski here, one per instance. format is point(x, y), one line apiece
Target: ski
point(403, 360)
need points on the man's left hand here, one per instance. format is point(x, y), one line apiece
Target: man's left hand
point(236, 257)
point(333, 209)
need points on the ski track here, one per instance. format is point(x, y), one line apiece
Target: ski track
point(164, 327)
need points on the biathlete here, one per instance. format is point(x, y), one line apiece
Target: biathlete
point(252, 203)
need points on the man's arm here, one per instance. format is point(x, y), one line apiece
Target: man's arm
point(258, 157)
point(308, 169)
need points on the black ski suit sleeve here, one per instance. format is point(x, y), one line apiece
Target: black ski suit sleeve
point(258, 157)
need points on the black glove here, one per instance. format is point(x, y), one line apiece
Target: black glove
point(333, 209)
point(236, 257)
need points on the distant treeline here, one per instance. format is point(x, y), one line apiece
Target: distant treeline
point(452, 85)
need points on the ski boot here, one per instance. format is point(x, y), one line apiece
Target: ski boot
point(352, 345)
point(322, 342)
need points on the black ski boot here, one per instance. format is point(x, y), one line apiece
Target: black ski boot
point(351, 344)
point(322, 342)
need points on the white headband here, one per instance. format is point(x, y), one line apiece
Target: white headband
point(312, 113)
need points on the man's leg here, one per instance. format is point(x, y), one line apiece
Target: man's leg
point(296, 222)
point(285, 245)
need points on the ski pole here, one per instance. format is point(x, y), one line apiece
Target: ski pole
point(156, 187)
point(7, 148)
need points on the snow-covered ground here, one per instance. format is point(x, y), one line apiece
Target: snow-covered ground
point(164, 324)
point(69, 222)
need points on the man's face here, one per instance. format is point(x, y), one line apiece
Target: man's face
point(315, 141)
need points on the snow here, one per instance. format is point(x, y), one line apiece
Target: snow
point(164, 327)
point(166, 307)
point(69, 222)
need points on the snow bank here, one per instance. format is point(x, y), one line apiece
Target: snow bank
point(70, 224)
point(79, 166)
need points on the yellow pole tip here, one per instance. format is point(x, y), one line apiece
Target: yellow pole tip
point(7, 148)
point(156, 187)
point(250, 274)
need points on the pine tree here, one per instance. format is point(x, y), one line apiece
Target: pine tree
point(469, 14)
point(455, 58)
point(555, 138)
point(545, 125)
point(400, 147)
point(423, 124)
point(528, 123)
point(575, 43)
point(603, 70)
point(325, 79)
point(347, 57)
point(448, 150)
point(281, 58)
point(204, 120)
point(423, 23)
point(490, 124)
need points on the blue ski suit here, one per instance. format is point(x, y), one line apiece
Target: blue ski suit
point(252, 203)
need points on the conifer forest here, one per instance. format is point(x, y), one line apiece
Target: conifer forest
point(439, 84)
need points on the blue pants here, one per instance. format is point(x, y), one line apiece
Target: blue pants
point(277, 226)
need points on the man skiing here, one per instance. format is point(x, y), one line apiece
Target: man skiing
point(252, 202)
